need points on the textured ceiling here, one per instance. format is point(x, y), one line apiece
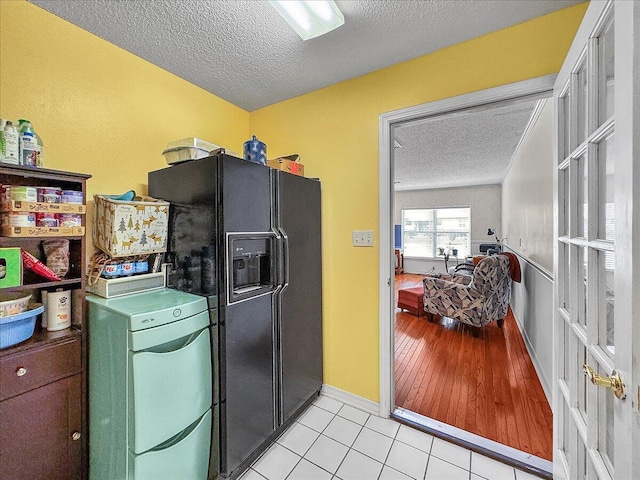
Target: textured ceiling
point(463, 149)
point(244, 52)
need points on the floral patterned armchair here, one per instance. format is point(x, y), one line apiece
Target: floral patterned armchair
point(476, 300)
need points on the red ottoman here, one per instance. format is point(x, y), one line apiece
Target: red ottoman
point(412, 300)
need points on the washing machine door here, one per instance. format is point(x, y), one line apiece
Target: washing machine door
point(169, 387)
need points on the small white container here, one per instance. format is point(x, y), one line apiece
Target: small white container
point(58, 310)
point(193, 142)
point(187, 149)
point(13, 303)
point(18, 219)
point(182, 154)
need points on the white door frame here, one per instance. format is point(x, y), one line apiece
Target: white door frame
point(627, 108)
point(387, 121)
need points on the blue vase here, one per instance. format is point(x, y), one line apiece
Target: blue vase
point(255, 151)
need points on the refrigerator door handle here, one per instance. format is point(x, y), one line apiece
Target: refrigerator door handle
point(276, 359)
point(285, 258)
point(279, 259)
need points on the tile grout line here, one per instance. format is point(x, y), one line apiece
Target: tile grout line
point(362, 426)
point(321, 433)
point(394, 439)
point(294, 467)
point(348, 448)
point(426, 468)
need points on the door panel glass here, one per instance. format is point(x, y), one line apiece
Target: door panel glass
point(606, 218)
point(582, 105)
point(568, 428)
point(606, 263)
point(582, 382)
point(581, 197)
point(566, 126)
point(606, 61)
point(565, 195)
point(582, 460)
point(565, 275)
point(580, 285)
point(566, 363)
point(605, 418)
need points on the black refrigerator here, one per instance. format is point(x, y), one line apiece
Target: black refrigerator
point(248, 237)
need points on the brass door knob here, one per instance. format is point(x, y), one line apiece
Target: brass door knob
point(21, 372)
point(613, 381)
point(76, 436)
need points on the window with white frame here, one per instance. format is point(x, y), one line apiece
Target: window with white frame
point(429, 232)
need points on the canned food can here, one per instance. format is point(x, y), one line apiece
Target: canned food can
point(140, 266)
point(46, 220)
point(111, 270)
point(71, 196)
point(69, 220)
point(49, 194)
point(126, 268)
point(19, 219)
point(19, 193)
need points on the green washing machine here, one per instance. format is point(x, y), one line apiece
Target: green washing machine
point(150, 399)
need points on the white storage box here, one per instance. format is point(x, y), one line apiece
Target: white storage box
point(187, 149)
point(116, 287)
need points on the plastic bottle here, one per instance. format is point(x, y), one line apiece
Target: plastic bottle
point(10, 144)
point(40, 160)
point(58, 310)
point(3, 122)
point(30, 145)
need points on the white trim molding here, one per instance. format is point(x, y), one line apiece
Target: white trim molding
point(348, 398)
point(534, 88)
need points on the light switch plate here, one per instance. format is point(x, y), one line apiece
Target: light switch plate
point(363, 238)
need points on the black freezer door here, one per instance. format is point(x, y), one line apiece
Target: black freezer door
point(191, 188)
point(248, 381)
point(301, 299)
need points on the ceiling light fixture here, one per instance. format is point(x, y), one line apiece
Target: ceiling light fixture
point(311, 18)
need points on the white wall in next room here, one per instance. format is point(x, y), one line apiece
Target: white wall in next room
point(485, 202)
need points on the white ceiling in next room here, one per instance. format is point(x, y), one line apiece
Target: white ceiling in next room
point(468, 148)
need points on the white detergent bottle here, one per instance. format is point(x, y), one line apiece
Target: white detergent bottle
point(58, 310)
point(10, 144)
point(30, 149)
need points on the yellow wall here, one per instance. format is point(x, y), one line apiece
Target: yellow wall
point(103, 111)
point(335, 130)
point(99, 109)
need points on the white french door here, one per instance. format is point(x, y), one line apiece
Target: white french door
point(597, 258)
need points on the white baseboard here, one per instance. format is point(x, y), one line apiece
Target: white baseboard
point(544, 381)
point(348, 398)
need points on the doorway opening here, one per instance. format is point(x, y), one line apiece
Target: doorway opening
point(436, 375)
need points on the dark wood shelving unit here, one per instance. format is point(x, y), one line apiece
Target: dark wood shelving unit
point(43, 380)
point(44, 285)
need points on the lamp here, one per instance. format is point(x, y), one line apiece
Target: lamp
point(488, 248)
point(309, 19)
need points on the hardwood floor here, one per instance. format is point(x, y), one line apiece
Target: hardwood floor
point(485, 385)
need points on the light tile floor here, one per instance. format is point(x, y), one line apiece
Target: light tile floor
point(334, 441)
